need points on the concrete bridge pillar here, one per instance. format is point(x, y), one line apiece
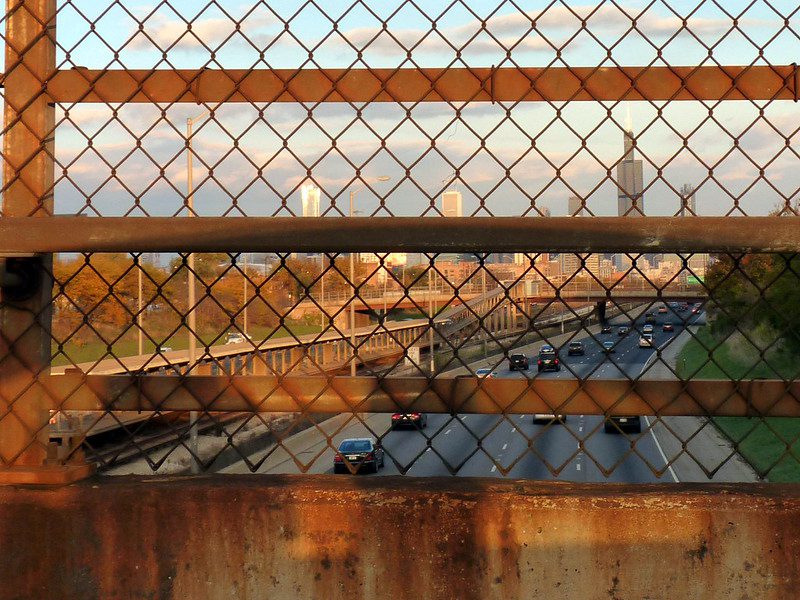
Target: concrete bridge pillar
point(600, 310)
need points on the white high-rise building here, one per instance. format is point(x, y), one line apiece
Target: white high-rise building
point(451, 204)
point(309, 198)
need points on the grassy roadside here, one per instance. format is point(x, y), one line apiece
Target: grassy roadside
point(128, 345)
point(771, 445)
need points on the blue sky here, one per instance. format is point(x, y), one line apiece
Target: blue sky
point(137, 179)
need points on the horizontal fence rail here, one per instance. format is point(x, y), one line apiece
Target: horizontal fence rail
point(505, 84)
point(404, 234)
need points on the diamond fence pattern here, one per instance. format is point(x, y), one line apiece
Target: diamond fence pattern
point(316, 109)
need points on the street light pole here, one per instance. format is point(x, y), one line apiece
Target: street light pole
point(139, 314)
point(244, 295)
point(352, 283)
point(192, 322)
point(352, 302)
point(430, 312)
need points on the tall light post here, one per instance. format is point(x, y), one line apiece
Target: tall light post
point(192, 323)
point(139, 314)
point(353, 283)
point(430, 312)
point(244, 295)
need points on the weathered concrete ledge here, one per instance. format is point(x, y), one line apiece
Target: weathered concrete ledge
point(364, 537)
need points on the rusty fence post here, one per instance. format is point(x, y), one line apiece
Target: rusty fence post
point(29, 123)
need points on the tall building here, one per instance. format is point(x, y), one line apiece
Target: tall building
point(575, 207)
point(688, 201)
point(630, 183)
point(451, 204)
point(309, 198)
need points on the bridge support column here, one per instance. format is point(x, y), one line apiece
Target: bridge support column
point(600, 310)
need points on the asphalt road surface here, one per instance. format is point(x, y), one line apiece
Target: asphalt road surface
point(512, 446)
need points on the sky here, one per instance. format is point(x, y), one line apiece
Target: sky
point(511, 160)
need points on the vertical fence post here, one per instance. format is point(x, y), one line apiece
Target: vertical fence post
point(29, 122)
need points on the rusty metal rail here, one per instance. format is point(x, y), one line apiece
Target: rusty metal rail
point(505, 84)
point(409, 234)
point(460, 395)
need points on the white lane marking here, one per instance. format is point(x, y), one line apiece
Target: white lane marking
point(494, 468)
point(522, 417)
point(504, 446)
point(661, 451)
point(578, 466)
point(580, 429)
point(463, 417)
point(513, 430)
point(448, 431)
point(652, 433)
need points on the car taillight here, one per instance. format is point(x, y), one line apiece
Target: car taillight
point(556, 361)
point(539, 361)
point(337, 458)
point(370, 456)
point(395, 417)
point(415, 415)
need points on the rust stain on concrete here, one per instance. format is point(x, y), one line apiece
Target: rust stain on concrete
point(298, 537)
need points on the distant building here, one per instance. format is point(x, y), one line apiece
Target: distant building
point(688, 201)
point(309, 199)
point(393, 259)
point(575, 207)
point(630, 181)
point(451, 204)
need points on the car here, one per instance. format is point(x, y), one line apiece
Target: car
point(647, 328)
point(360, 454)
point(622, 423)
point(576, 348)
point(646, 341)
point(485, 373)
point(547, 359)
point(623, 330)
point(235, 338)
point(606, 329)
point(683, 307)
point(668, 327)
point(649, 318)
point(518, 362)
point(696, 310)
point(548, 418)
point(608, 347)
point(415, 420)
point(662, 310)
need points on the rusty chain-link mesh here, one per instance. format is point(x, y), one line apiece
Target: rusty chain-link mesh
point(141, 146)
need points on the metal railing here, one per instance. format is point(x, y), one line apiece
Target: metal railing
point(492, 122)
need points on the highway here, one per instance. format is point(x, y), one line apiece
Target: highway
point(511, 445)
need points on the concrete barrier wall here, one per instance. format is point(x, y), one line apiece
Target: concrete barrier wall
point(349, 538)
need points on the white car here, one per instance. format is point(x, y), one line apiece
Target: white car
point(647, 328)
point(646, 341)
point(235, 338)
point(485, 373)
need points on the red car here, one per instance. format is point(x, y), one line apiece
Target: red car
point(414, 420)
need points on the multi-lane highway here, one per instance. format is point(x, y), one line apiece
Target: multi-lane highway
point(491, 445)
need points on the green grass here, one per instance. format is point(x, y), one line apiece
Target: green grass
point(128, 345)
point(764, 443)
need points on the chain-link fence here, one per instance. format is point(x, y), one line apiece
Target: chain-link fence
point(478, 239)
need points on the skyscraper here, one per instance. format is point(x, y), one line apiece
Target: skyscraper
point(688, 201)
point(451, 204)
point(309, 199)
point(630, 201)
